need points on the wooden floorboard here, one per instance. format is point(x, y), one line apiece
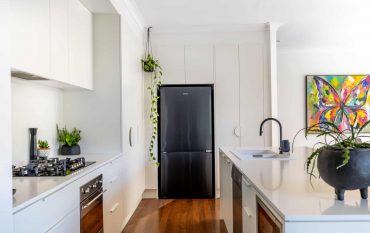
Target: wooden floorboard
point(176, 216)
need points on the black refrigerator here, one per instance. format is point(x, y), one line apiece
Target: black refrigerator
point(186, 142)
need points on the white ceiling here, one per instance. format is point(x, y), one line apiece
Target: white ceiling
point(308, 20)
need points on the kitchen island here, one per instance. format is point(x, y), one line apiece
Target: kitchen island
point(277, 191)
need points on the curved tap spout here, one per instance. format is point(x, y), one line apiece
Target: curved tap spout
point(280, 131)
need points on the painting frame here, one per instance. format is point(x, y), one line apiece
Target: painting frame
point(308, 81)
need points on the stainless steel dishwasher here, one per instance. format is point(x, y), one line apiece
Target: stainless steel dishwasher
point(237, 178)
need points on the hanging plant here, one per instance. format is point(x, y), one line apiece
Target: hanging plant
point(152, 66)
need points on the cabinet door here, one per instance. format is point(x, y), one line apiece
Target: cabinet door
point(251, 93)
point(229, 196)
point(249, 208)
point(80, 41)
point(30, 39)
point(226, 200)
point(113, 197)
point(226, 95)
point(172, 60)
point(222, 185)
point(70, 223)
point(59, 40)
point(199, 64)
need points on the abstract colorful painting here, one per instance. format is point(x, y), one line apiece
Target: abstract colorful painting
point(340, 99)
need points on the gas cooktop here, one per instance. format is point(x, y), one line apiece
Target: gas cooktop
point(51, 167)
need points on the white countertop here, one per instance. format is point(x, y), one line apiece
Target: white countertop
point(285, 185)
point(32, 189)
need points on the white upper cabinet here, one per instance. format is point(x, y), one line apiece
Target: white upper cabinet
point(199, 64)
point(30, 36)
point(172, 60)
point(251, 93)
point(53, 39)
point(59, 45)
point(80, 45)
point(227, 95)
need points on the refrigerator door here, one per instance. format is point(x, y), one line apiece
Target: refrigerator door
point(201, 173)
point(175, 173)
point(186, 175)
point(186, 119)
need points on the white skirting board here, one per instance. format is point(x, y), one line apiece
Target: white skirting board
point(150, 194)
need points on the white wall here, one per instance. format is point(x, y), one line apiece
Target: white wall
point(34, 106)
point(318, 37)
point(97, 113)
point(294, 65)
point(6, 217)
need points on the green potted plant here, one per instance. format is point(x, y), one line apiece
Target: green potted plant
point(43, 150)
point(342, 158)
point(152, 66)
point(69, 141)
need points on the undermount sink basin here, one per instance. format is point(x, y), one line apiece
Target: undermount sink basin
point(246, 154)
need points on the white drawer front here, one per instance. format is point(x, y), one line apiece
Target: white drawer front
point(45, 213)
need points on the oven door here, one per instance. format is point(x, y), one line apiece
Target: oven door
point(92, 213)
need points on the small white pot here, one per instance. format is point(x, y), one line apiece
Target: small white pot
point(43, 153)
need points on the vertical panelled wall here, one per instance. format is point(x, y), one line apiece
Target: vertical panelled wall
point(236, 63)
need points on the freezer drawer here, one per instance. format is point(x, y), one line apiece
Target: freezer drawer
point(186, 175)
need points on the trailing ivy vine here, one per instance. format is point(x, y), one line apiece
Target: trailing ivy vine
point(152, 66)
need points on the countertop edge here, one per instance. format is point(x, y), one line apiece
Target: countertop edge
point(55, 189)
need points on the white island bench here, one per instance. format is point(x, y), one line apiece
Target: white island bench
point(277, 197)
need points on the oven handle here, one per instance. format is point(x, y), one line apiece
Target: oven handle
point(95, 198)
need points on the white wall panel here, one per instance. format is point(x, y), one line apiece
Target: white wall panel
point(172, 60)
point(251, 93)
point(199, 64)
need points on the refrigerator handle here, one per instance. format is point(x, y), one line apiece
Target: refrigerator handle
point(208, 151)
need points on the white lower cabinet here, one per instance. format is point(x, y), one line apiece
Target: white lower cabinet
point(60, 212)
point(113, 200)
point(249, 207)
point(70, 223)
point(226, 195)
point(47, 212)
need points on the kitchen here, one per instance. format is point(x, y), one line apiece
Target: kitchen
point(80, 68)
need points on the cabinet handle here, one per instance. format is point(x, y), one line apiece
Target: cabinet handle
point(113, 179)
point(95, 198)
point(237, 131)
point(228, 161)
point(114, 208)
point(247, 211)
point(130, 136)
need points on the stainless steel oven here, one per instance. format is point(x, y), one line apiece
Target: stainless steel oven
point(91, 206)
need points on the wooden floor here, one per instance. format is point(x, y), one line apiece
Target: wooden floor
point(176, 216)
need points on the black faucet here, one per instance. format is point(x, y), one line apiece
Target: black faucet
point(284, 144)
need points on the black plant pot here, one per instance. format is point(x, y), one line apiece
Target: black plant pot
point(354, 175)
point(147, 67)
point(70, 150)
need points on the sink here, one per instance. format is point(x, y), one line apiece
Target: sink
point(246, 154)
